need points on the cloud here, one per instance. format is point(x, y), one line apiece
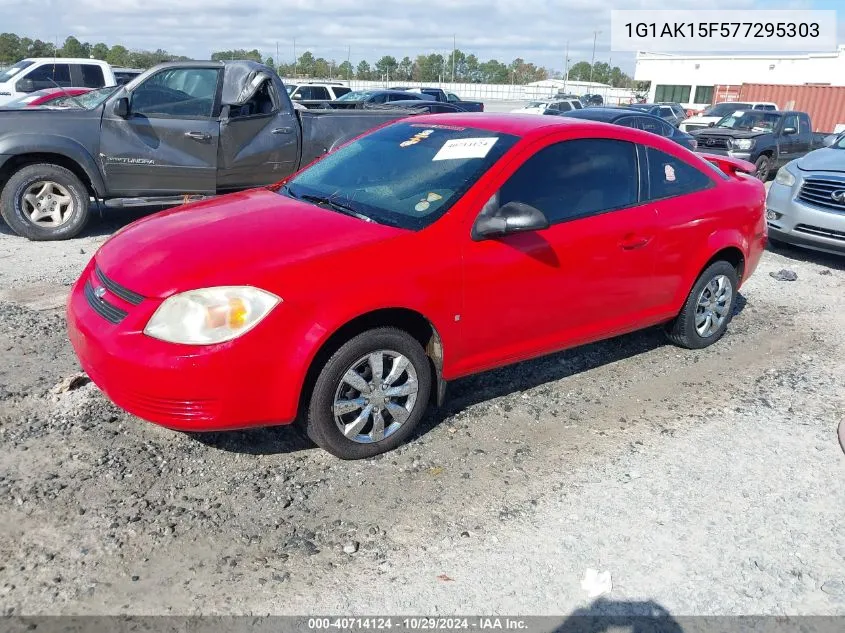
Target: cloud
point(535, 30)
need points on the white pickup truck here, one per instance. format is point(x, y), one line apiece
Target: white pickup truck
point(714, 113)
point(38, 73)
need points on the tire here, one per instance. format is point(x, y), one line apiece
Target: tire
point(682, 331)
point(320, 422)
point(764, 168)
point(49, 180)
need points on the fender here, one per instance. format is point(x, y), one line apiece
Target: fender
point(716, 241)
point(12, 145)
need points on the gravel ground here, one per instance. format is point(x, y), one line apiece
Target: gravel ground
point(708, 482)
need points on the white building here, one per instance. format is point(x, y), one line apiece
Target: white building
point(691, 79)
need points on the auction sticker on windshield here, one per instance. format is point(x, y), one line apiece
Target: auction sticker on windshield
point(461, 148)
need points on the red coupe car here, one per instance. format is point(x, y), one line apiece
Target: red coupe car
point(429, 249)
point(47, 96)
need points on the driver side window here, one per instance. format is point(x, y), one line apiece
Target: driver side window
point(179, 92)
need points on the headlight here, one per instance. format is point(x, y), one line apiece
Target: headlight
point(743, 143)
point(785, 177)
point(210, 315)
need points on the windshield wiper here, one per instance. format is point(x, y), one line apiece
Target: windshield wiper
point(334, 204)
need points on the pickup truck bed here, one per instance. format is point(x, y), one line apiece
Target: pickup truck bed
point(179, 131)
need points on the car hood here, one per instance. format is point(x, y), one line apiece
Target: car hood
point(240, 238)
point(825, 159)
point(714, 131)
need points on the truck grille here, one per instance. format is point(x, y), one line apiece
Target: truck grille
point(694, 126)
point(819, 191)
point(820, 232)
point(713, 142)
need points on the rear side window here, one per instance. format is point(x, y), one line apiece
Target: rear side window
point(655, 126)
point(92, 76)
point(314, 92)
point(564, 106)
point(669, 176)
point(805, 122)
point(576, 178)
point(791, 120)
point(45, 75)
point(341, 91)
point(764, 106)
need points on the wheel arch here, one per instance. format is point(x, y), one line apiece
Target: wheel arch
point(23, 150)
point(724, 245)
point(411, 321)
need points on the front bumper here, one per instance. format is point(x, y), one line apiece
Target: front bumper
point(232, 385)
point(803, 224)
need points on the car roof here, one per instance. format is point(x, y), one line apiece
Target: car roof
point(607, 113)
point(66, 60)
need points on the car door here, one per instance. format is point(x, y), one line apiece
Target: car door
point(259, 141)
point(167, 144)
point(586, 276)
point(683, 198)
point(789, 145)
point(50, 75)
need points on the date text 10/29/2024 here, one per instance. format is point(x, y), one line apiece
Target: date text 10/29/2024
point(417, 624)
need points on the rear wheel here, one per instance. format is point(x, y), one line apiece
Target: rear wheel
point(708, 308)
point(370, 394)
point(45, 202)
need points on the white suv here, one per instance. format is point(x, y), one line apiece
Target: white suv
point(39, 73)
point(550, 106)
point(313, 91)
point(715, 112)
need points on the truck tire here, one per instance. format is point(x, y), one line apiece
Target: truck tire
point(764, 167)
point(45, 202)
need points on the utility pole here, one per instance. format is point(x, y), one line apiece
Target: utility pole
point(593, 60)
point(277, 61)
point(566, 68)
point(348, 64)
point(294, 57)
point(454, 47)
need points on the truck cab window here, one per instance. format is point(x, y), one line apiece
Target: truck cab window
point(264, 101)
point(92, 76)
point(45, 75)
point(183, 92)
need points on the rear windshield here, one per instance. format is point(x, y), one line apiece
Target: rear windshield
point(405, 175)
point(11, 71)
point(356, 95)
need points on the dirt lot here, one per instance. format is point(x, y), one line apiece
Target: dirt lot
point(709, 482)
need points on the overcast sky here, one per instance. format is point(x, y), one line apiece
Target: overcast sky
point(536, 30)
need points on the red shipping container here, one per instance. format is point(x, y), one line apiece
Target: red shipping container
point(824, 104)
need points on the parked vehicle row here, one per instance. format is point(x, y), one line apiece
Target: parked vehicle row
point(628, 116)
point(320, 95)
point(712, 115)
point(44, 73)
point(230, 312)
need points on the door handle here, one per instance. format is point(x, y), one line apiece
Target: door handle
point(198, 136)
point(630, 242)
point(283, 130)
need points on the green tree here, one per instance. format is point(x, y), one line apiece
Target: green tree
point(472, 72)
point(269, 62)
point(345, 70)
point(10, 48)
point(362, 71)
point(322, 69)
point(100, 51)
point(429, 67)
point(494, 72)
point(40, 49)
point(405, 69)
point(580, 72)
point(386, 67)
point(118, 56)
point(74, 48)
point(238, 54)
point(305, 64)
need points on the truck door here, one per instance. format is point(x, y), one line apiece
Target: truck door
point(791, 140)
point(167, 142)
point(259, 140)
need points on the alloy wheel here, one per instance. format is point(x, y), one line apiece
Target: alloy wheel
point(713, 305)
point(47, 204)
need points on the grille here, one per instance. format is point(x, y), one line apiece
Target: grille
point(820, 232)
point(117, 290)
point(714, 142)
point(817, 191)
point(109, 312)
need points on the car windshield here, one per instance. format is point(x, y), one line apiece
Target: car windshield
point(721, 109)
point(754, 121)
point(405, 175)
point(13, 70)
point(839, 141)
point(86, 101)
point(355, 95)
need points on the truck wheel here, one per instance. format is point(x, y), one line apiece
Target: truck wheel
point(764, 168)
point(45, 202)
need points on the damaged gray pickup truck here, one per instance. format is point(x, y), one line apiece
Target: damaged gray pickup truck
point(179, 131)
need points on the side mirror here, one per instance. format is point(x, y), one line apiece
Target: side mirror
point(790, 130)
point(711, 124)
point(25, 85)
point(297, 96)
point(514, 217)
point(121, 107)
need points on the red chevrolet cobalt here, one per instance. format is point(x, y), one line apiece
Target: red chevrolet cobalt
point(432, 248)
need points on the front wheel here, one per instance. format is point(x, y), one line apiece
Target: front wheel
point(370, 394)
point(45, 202)
point(763, 168)
point(708, 308)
